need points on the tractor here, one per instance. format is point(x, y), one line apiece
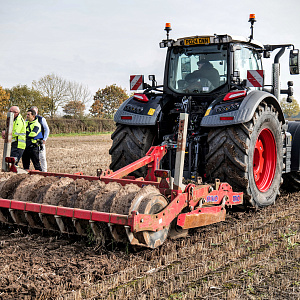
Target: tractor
point(236, 132)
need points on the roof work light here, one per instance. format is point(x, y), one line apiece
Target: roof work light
point(252, 20)
point(168, 29)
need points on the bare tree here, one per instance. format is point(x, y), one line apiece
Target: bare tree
point(78, 96)
point(55, 88)
point(78, 92)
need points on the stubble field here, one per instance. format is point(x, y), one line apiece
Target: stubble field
point(252, 255)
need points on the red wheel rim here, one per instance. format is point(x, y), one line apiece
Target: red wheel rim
point(264, 160)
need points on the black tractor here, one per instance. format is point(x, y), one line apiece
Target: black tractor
point(237, 131)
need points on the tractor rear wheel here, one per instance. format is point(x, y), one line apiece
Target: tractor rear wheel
point(130, 143)
point(249, 156)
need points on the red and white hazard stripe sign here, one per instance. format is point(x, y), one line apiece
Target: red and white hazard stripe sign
point(255, 78)
point(136, 82)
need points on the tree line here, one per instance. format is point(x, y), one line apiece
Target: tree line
point(52, 92)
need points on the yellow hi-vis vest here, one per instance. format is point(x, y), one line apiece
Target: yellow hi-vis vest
point(32, 130)
point(19, 132)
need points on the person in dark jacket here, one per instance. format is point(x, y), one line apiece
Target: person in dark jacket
point(207, 72)
point(33, 128)
point(44, 134)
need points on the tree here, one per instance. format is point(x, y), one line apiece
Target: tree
point(78, 92)
point(78, 96)
point(107, 101)
point(290, 109)
point(74, 108)
point(25, 97)
point(55, 89)
point(4, 103)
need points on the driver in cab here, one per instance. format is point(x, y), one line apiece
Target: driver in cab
point(206, 76)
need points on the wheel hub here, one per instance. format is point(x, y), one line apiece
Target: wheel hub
point(264, 160)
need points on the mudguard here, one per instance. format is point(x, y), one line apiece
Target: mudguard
point(242, 112)
point(135, 112)
point(294, 130)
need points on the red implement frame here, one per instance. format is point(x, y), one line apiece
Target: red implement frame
point(142, 222)
point(206, 205)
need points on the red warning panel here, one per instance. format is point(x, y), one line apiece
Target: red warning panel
point(255, 78)
point(136, 82)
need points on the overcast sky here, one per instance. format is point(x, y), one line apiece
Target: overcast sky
point(99, 43)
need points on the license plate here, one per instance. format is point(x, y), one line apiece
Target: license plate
point(197, 41)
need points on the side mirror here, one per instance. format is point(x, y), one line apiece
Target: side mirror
point(294, 62)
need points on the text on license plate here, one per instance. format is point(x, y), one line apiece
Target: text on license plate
point(197, 41)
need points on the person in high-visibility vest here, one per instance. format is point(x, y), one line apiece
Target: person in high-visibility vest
point(33, 128)
point(18, 134)
point(44, 133)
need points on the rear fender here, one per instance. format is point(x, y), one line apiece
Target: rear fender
point(134, 112)
point(244, 113)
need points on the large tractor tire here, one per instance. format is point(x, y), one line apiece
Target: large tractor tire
point(249, 156)
point(130, 143)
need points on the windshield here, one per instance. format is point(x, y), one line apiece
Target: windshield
point(199, 69)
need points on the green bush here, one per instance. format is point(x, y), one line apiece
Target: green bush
point(76, 125)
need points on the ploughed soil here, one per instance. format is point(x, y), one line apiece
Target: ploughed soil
point(254, 254)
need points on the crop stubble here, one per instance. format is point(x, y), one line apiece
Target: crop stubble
point(252, 255)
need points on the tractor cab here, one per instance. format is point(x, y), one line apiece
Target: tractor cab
point(202, 65)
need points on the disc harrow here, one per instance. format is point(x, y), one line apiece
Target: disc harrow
point(139, 211)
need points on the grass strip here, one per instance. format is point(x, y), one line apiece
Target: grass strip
point(79, 134)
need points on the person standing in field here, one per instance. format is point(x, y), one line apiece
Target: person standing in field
point(33, 128)
point(18, 134)
point(45, 133)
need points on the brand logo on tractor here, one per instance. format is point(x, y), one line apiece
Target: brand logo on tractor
point(212, 198)
point(236, 198)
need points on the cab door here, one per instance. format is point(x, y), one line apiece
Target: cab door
point(246, 58)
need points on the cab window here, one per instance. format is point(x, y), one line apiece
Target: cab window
point(246, 59)
point(197, 69)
